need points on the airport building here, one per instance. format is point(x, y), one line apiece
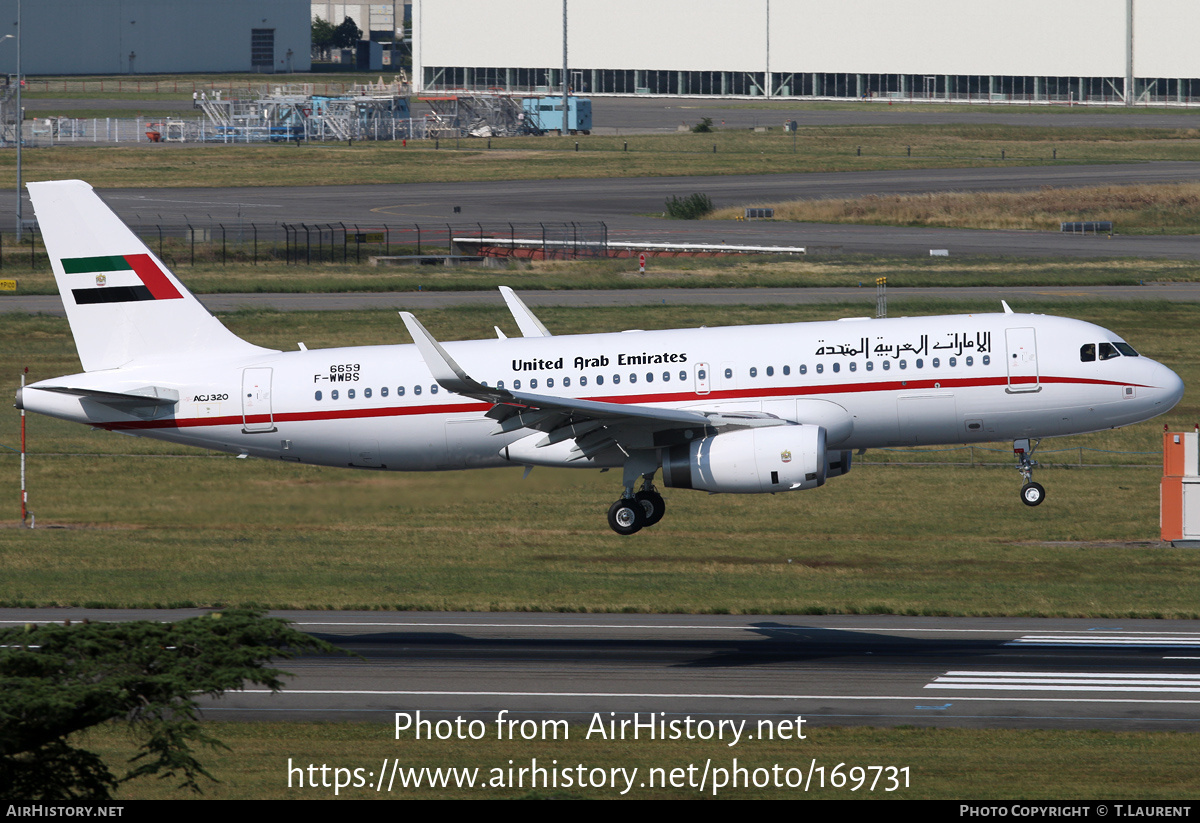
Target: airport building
point(156, 36)
point(378, 21)
point(1111, 52)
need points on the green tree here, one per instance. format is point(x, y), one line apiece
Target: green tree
point(322, 36)
point(347, 35)
point(56, 680)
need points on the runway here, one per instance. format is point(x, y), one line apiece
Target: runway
point(835, 670)
point(631, 208)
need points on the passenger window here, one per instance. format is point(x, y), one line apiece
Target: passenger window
point(803, 369)
point(936, 362)
point(904, 364)
point(1108, 351)
point(683, 375)
point(433, 389)
point(987, 358)
point(599, 380)
point(516, 384)
point(583, 380)
point(666, 377)
point(549, 382)
point(333, 395)
point(366, 392)
point(753, 371)
point(1087, 352)
point(499, 385)
point(920, 363)
point(770, 371)
point(649, 377)
point(887, 364)
point(633, 378)
point(870, 366)
point(616, 378)
point(729, 374)
point(350, 394)
point(953, 362)
point(533, 383)
point(383, 392)
point(567, 381)
point(837, 367)
point(702, 374)
point(318, 395)
point(787, 370)
point(970, 361)
point(417, 389)
point(853, 366)
point(400, 391)
point(820, 368)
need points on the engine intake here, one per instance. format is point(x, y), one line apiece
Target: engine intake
point(750, 461)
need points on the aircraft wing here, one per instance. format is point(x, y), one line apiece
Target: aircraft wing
point(594, 425)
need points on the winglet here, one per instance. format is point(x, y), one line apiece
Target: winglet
point(448, 374)
point(529, 325)
point(1007, 310)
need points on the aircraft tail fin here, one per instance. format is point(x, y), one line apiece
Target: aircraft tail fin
point(123, 304)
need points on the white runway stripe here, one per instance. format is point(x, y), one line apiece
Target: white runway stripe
point(1068, 681)
point(1109, 640)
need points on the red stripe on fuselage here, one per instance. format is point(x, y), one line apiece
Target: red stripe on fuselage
point(672, 397)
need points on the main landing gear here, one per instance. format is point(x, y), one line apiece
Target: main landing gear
point(637, 510)
point(1032, 494)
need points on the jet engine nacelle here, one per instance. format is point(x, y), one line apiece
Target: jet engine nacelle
point(837, 463)
point(750, 461)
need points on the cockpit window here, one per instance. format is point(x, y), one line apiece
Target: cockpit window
point(1126, 349)
point(1087, 352)
point(1108, 351)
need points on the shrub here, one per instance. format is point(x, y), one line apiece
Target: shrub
point(692, 207)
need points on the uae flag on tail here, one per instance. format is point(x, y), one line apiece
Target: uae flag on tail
point(153, 285)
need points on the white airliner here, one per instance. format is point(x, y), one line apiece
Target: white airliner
point(745, 409)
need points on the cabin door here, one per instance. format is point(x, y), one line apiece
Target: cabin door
point(1022, 360)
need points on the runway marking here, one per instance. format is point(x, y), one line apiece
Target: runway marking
point(696, 696)
point(1149, 641)
point(1068, 681)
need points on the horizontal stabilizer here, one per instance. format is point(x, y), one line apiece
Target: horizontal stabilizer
point(148, 403)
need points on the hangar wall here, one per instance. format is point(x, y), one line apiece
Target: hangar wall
point(156, 36)
point(1021, 50)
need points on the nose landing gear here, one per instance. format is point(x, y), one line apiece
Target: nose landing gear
point(1032, 494)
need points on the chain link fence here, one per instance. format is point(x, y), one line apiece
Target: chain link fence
point(240, 241)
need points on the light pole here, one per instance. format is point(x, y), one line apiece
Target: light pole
point(20, 123)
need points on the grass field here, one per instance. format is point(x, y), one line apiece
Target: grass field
point(946, 764)
point(751, 271)
point(825, 149)
point(1138, 209)
point(146, 523)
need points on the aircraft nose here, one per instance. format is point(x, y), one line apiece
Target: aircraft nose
point(1170, 388)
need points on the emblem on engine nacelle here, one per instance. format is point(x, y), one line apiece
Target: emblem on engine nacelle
point(786, 456)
